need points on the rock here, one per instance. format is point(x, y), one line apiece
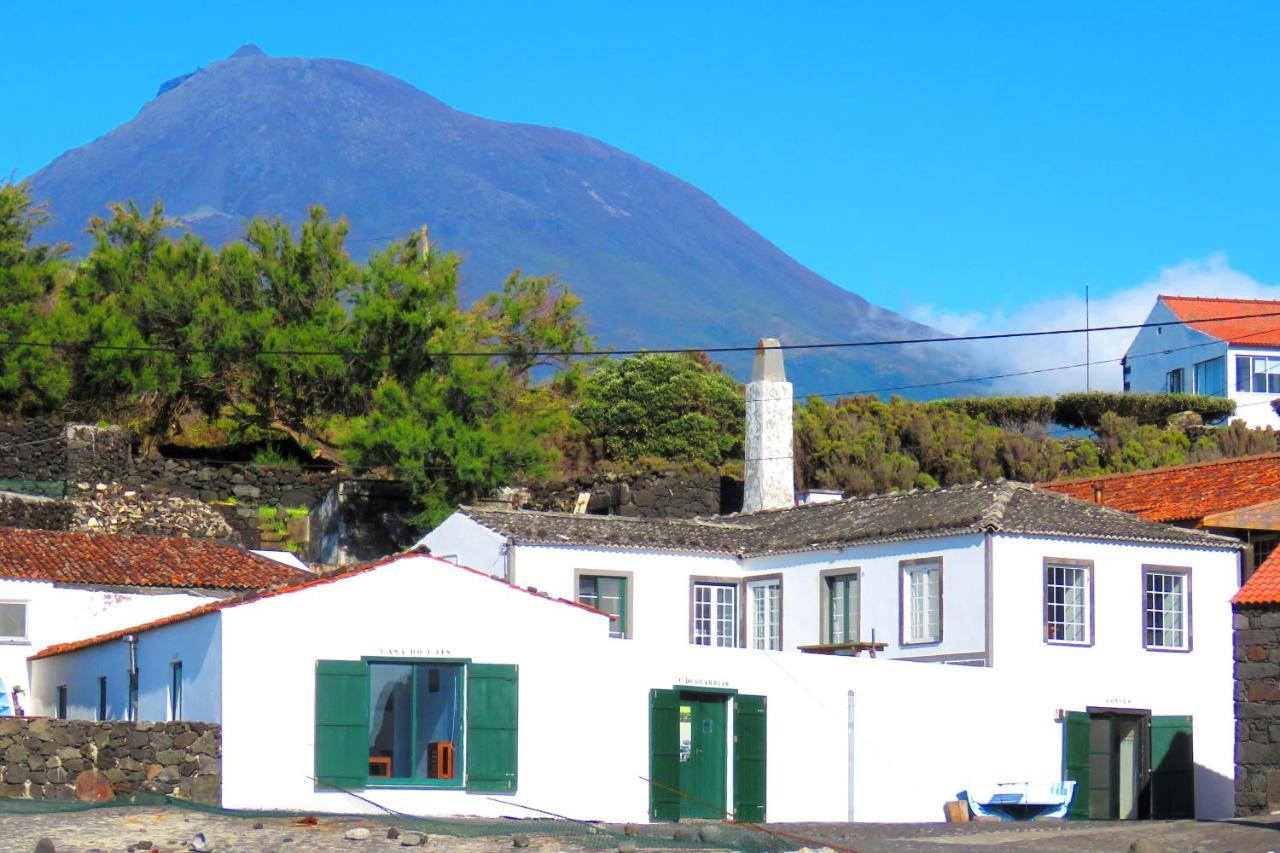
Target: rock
point(15, 774)
point(393, 833)
point(143, 845)
point(200, 843)
point(630, 830)
point(45, 845)
point(258, 825)
point(519, 841)
point(1145, 845)
point(683, 834)
point(356, 833)
point(92, 787)
point(627, 847)
point(709, 833)
point(411, 839)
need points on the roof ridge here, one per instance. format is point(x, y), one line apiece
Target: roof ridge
point(1217, 299)
point(698, 520)
point(1152, 472)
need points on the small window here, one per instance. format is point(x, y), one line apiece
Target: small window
point(607, 593)
point(62, 702)
point(1166, 609)
point(415, 723)
point(715, 614)
point(1067, 610)
point(175, 690)
point(764, 597)
point(1175, 381)
point(102, 698)
point(13, 621)
point(841, 616)
point(922, 602)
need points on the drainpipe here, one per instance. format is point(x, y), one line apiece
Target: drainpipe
point(509, 569)
point(988, 571)
point(132, 640)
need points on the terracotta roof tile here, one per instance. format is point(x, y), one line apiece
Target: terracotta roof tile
point(1258, 331)
point(284, 589)
point(1183, 492)
point(1263, 586)
point(150, 561)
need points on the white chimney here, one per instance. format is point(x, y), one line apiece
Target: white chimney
point(769, 470)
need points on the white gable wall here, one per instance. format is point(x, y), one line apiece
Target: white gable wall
point(59, 614)
point(460, 540)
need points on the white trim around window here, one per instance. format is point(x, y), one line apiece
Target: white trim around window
point(1068, 602)
point(15, 628)
point(1166, 608)
point(764, 612)
point(920, 602)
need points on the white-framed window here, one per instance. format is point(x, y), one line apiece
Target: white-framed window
point(715, 614)
point(1258, 374)
point(764, 599)
point(1068, 611)
point(921, 597)
point(13, 621)
point(1175, 381)
point(1166, 608)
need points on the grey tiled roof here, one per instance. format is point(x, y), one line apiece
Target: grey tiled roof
point(1000, 506)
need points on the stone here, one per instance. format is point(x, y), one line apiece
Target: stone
point(393, 833)
point(242, 490)
point(15, 774)
point(16, 754)
point(1257, 654)
point(170, 757)
point(519, 841)
point(207, 790)
point(92, 787)
point(709, 833)
point(207, 764)
point(168, 774)
point(1264, 692)
point(258, 825)
point(356, 833)
point(411, 839)
point(200, 843)
point(627, 847)
point(683, 834)
point(45, 845)
point(630, 830)
point(1145, 845)
point(184, 740)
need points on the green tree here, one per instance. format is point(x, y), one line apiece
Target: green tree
point(675, 407)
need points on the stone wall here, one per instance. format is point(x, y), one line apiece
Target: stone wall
point(34, 513)
point(642, 495)
point(65, 759)
point(1257, 668)
point(45, 450)
point(258, 485)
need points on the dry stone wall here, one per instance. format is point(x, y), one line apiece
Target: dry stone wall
point(65, 759)
point(1257, 701)
point(641, 495)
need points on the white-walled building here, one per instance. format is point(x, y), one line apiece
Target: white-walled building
point(60, 586)
point(1201, 354)
point(433, 689)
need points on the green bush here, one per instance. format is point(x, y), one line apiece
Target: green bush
point(270, 456)
point(1003, 411)
point(1085, 409)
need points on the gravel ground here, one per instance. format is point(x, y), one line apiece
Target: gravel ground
point(169, 829)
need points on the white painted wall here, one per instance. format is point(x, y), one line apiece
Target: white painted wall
point(460, 539)
point(1116, 671)
point(59, 614)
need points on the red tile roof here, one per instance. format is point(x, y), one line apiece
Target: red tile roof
point(1257, 331)
point(150, 561)
point(1183, 492)
point(1263, 586)
point(213, 607)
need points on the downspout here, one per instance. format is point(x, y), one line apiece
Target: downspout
point(988, 573)
point(132, 698)
point(509, 568)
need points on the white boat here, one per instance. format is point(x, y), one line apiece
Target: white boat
point(1021, 800)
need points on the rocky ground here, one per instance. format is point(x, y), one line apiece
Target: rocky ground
point(169, 829)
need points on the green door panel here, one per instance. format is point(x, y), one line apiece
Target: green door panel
point(342, 724)
point(750, 742)
point(493, 712)
point(664, 755)
point(1075, 761)
point(703, 774)
point(1101, 769)
point(1173, 791)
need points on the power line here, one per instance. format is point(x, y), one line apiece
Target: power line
point(595, 353)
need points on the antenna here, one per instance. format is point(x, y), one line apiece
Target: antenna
point(1087, 359)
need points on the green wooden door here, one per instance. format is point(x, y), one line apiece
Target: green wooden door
point(703, 770)
point(750, 742)
point(342, 724)
point(1173, 791)
point(664, 755)
point(1075, 762)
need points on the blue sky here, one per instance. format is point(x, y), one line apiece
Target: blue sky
point(971, 164)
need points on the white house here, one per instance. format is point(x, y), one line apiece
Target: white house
point(432, 689)
point(59, 586)
point(1201, 353)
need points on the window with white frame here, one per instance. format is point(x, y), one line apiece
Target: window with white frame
point(922, 601)
point(1258, 374)
point(715, 614)
point(764, 598)
point(13, 621)
point(1166, 609)
point(1066, 603)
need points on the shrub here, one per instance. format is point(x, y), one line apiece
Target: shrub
point(1085, 409)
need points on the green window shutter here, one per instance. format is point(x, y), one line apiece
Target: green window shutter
point(342, 724)
point(1075, 762)
point(1173, 791)
point(664, 755)
point(750, 740)
point(493, 711)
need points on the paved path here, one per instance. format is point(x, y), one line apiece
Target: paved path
point(170, 829)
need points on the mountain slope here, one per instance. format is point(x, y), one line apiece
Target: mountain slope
point(657, 262)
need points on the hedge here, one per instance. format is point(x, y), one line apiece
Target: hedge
point(1085, 409)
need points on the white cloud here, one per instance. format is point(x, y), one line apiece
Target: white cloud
point(1211, 276)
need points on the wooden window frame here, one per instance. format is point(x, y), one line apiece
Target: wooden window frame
point(25, 639)
point(748, 611)
point(696, 581)
point(1185, 571)
point(904, 567)
point(628, 603)
point(824, 599)
point(1087, 565)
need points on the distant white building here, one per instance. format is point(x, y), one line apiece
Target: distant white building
point(1235, 358)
